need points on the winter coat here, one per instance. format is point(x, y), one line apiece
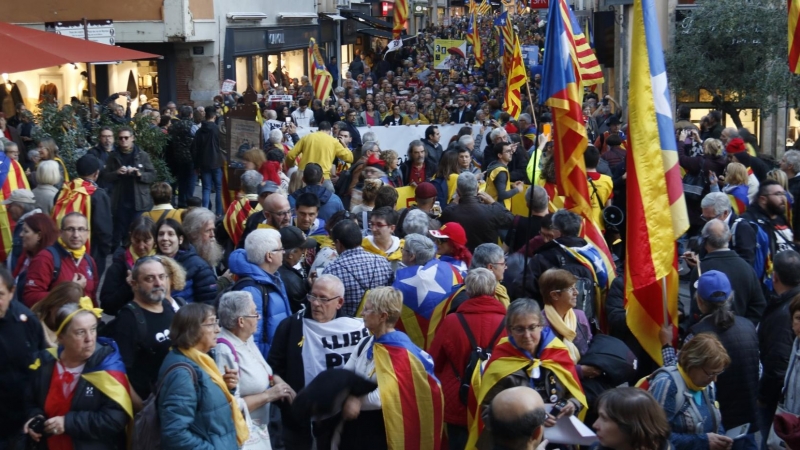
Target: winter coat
point(194, 417)
point(40, 275)
point(206, 150)
point(549, 255)
point(286, 360)
point(433, 152)
point(116, 291)
point(201, 283)
point(451, 349)
point(296, 286)
point(329, 203)
point(405, 171)
point(273, 309)
point(94, 422)
point(775, 337)
point(493, 217)
point(141, 185)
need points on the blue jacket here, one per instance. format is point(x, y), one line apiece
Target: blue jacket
point(201, 283)
point(193, 417)
point(329, 203)
point(277, 302)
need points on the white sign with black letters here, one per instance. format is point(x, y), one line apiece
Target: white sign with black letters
point(329, 345)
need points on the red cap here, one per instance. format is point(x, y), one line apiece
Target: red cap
point(425, 190)
point(452, 231)
point(736, 145)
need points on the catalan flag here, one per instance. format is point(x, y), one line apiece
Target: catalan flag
point(236, 215)
point(508, 358)
point(75, 196)
point(589, 68)
point(656, 210)
point(109, 377)
point(425, 290)
point(517, 78)
point(506, 36)
point(411, 397)
point(474, 39)
point(738, 198)
point(12, 177)
point(484, 8)
point(400, 18)
point(794, 36)
point(321, 79)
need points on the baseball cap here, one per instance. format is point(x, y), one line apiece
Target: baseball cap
point(293, 237)
point(714, 286)
point(452, 231)
point(425, 190)
point(20, 196)
point(267, 187)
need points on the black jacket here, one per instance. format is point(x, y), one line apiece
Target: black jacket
point(102, 224)
point(737, 387)
point(794, 189)
point(492, 217)
point(296, 286)
point(756, 213)
point(405, 171)
point(116, 291)
point(748, 297)
point(95, 422)
point(286, 359)
point(206, 150)
point(616, 317)
point(433, 152)
point(467, 116)
point(141, 185)
point(775, 338)
point(102, 155)
point(548, 256)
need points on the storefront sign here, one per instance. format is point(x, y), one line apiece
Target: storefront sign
point(447, 51)
point(100, 31)
point(280, 98)
point(276, 37)
point(540, 4)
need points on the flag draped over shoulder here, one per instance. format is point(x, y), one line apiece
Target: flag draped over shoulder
point(656, 210)
point(794, 36)
point(75, 196)
point(110, 378)
point(12, 177)
point(425, 292)
point(588, 66)
point(236, 216)
point(411, 397)
point(321, 79)
point(474, 39)
point(517, 77)
point(506, 359)
point(400, 18)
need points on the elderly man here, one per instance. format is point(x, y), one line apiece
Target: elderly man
point(492, 258)
point(527, 131)
point(239, 211)
point(425, 283)
point(20, 205)
point(141, 328)
point(471, 204)
point(257, 266)
point(66, 260)
point(515, 419)
point(790, 164)
point(717, 205)
point(309, 342)
point(497, 135)
point(748, 299)
point(321, 148)
point(199, 226)
point(416, 169)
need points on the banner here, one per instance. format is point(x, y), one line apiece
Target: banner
point(447, 52)
point(329, 345)
point(398, 137)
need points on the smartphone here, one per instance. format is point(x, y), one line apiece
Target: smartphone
point(738, 432)
point(288, 120)
point(37, 425)
point(605, 102)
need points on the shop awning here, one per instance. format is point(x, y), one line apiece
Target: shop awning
point(27, 49)
point(366, 20)
point(383, 34)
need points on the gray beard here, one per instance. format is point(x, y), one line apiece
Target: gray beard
point(210, 251)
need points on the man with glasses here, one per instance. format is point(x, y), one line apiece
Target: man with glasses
point(64, 261)
point(102, 151)
point(141, 328)
point(492, 258)
point(717, 205)
point(327, 343)
point(131, 171)
point(256, 266)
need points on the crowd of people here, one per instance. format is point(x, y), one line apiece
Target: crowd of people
point(313, 311)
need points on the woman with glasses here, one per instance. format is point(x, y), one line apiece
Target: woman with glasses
point(237, 351)
point(531, 356)
point(560, 295)
point(688, 394)
point(198, 410)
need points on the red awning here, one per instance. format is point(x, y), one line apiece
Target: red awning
point(27, 49)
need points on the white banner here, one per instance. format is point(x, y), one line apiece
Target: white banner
point(280, 98)
point(397, 138)
point(329, 345)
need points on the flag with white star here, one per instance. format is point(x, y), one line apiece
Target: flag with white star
point(425, 292)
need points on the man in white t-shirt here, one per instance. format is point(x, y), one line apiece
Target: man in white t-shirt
point(302, 115)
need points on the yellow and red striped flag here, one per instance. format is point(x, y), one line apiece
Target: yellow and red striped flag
point(12, 177)
point(400, 18)
point(588, 66)
point(237, 214)
point(474, 39)
point(794, 36)
point(75, 196)
point(321, 79)
point(517, 78)
point(484, 8)
point(656, 210)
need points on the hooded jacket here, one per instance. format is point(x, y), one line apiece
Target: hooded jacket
point(329, 203)
point(201, 283)
point(272, 304)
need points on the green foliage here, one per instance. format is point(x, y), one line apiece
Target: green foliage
point(737, 51)
point(154, 141)
point(65, 128)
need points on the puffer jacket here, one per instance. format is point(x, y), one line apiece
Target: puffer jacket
point(329, 203)
point(201, 283)
point(193, 417)
point(116, 291)
point(95, 421)
point(274, 304)
point(451, 348)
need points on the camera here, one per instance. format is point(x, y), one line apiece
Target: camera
point(37, 425)
point(557, 408)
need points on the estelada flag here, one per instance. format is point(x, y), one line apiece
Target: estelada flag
point(237, 214)
point(411, 396)
point(75, 196)
point(738, 198)
point(12, 177)
point(508, 358)
point(425, 292)
point(517, 77)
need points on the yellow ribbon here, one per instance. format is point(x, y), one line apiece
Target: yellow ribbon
point(84, 304)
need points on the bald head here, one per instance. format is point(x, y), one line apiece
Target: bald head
point(716, 234)
point(279, 210)
point(516, 416)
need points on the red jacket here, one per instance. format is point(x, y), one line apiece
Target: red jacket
point(451, 347)
point(39, 280)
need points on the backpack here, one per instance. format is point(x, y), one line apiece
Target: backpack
point(763, 261)
point(147, 425)
point(239, 285)
point(477, 358)
point(107, 329)
point(694, 186)
point(587, 292)
point(681, 405)
point(441, 190)
point(56, 253)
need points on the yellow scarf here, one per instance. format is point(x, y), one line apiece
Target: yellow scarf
point(566, 328)
point(76, 254)
point(136, 257)
point(207, 364)
point(501, 294)
point(688, 380)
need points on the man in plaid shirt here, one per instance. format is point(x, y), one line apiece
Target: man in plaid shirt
point(358, 269)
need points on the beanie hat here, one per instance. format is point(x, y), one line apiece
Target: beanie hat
point(735, 145)
point(87, 165)
point(425, 190)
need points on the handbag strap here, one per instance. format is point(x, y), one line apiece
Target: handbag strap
point(594, 189)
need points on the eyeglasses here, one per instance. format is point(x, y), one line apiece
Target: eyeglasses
point(529, 329)
point(124, 138)
point(779, 194)
point(253, 316)
point(713, 374)
point(315, 299)
point(571, 290)
point(378, 225)
point(212, 324)
point(73, 230)
point(278, 250)
point(145, 259)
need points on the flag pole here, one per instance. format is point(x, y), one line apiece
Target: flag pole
point(665, 300)
point(533, 110)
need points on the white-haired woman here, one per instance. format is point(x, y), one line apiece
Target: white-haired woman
point(47, 178)
point(237, 351)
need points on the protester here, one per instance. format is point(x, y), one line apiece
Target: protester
point(516, 418)
point(630, 418)
point(471, 204)
point(161, 193)
point(172, 241)
point(116, 292)
point(45, 192)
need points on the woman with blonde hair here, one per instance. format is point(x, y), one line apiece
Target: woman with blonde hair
point(736, 178)
point(48, 150)
point(177, 280)
point(392, 161)
point(368, 195)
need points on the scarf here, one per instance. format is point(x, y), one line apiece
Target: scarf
point(566, 328)
point(134, 257)
point(76, 254)
point(696, 391)
point(207, 364)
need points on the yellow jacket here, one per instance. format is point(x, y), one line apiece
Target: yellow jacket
point(320, 148)
point(492, 190)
